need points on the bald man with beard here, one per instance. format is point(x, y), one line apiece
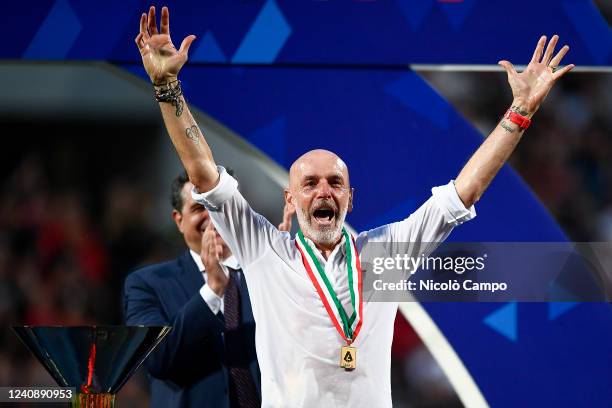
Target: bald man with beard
point(318, 343)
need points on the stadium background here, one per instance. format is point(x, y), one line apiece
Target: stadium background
point(85, 165)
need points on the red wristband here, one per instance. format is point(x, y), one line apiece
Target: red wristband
point(520, 120)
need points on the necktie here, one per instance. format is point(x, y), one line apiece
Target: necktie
point(243, 392)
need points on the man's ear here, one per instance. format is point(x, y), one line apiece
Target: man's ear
point(289, 200)
point(178, 219)
point(350, 204)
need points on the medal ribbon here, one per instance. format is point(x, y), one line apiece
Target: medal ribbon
point(325, 290)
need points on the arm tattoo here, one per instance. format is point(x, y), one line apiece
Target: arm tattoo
point(506, 126)
point(193, 133)
point(518, 110)
point(178, 104)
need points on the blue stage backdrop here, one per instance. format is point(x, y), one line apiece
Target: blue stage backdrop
point(398, 136)
point(314, 32)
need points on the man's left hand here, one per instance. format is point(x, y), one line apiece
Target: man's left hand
point(531, 86)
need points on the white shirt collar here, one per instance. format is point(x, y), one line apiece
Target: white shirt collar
point(230, 262)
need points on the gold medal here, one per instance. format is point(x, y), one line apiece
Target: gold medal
point(348, 358)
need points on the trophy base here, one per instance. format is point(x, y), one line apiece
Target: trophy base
point(81, 400)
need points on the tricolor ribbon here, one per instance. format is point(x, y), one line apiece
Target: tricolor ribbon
point(350, 325)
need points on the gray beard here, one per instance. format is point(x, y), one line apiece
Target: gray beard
point(328, 236)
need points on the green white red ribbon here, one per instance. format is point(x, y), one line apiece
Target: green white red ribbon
point(348, 327)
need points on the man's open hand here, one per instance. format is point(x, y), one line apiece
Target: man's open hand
point(531, 86)
point(160, 58)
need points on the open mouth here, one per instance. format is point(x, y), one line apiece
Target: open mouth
point(324, 215)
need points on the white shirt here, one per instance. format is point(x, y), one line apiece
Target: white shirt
point(298, 347)
point(214, 302)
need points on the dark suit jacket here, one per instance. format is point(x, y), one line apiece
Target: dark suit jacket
point(188, 368)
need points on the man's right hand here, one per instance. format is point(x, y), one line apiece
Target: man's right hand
point(163, 61)
point(211, 253)
point(160, 58)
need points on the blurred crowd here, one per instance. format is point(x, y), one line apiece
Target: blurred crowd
point(59, 265)
point(65, 250)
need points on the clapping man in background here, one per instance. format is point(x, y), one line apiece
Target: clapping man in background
point(208, 358)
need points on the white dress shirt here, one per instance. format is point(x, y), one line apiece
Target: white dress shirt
point(298, 347)
point(214, 302)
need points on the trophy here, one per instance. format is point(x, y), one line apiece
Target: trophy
point(96, 360)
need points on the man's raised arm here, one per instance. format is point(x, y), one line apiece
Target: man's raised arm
point(529, 88)
point(163, 61)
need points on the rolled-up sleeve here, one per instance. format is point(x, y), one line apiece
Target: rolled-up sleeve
point(213, 200)
point(447, 199)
